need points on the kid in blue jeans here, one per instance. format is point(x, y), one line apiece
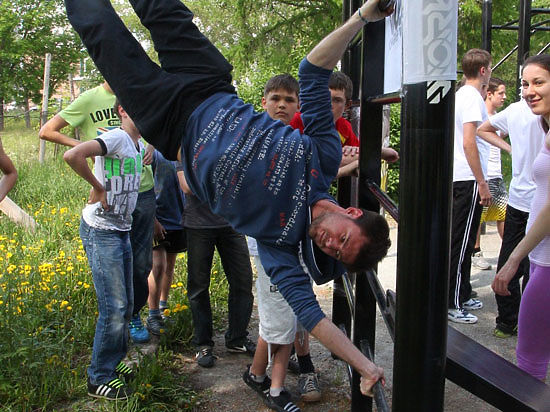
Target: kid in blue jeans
point(105, 233)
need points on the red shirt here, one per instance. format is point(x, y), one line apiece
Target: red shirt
point(343, 127)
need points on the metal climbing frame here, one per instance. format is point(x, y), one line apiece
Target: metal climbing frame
point(426, 350)
point(525, 28)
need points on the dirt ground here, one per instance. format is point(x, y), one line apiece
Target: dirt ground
point(223, 390)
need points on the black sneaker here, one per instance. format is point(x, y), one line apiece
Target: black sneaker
point(282, 403)
point(204, 357)
point(114, 390)
point(261, 387)
point(125, 371)
point(247, 347)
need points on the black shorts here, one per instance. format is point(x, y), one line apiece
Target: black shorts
point(175, 241)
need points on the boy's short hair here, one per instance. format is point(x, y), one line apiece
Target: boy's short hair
point(473, 60)
point(341, 81)
point(494, 84)
point(116, 106)
point(282, 81)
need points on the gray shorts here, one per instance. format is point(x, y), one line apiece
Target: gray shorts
point(277, 320)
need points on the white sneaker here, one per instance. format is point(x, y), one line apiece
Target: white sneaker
point(461, 316)
point(479, 261)
point(472, 304)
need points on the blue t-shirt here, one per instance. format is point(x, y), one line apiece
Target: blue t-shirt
point(169, 197)
point(263, 177)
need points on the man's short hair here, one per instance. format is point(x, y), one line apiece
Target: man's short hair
point(375, 229)
point(473, 60)
point(341, 81)
point(282, 81)
point(494, 84)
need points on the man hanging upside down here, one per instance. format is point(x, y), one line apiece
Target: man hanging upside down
point(268, 180)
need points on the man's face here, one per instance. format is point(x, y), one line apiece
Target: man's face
point(337, 235)
point(339, 101)
point(486, 74)
point(497, 97)
point(281, 105)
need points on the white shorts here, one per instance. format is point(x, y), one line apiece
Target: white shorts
point(277, 320)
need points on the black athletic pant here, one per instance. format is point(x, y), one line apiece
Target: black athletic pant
point(508, 306)
point(159, 100)
point(465, 221)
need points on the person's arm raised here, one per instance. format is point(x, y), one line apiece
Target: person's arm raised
point(329, 51)
point(51, 132)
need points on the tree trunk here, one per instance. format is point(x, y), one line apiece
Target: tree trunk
point(27, 113)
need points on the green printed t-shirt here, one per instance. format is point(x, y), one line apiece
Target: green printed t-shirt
point(92, 112)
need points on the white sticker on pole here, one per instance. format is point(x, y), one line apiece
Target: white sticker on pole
point(429, 40)
point(393, 55)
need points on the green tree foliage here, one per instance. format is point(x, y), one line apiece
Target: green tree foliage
point(28, 30)
point(263, 38)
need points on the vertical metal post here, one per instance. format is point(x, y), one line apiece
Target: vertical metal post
point(487, 23)
point(524, 38)
point(423, 244)
point(425, 202)
point(351, 65)
point(372, 81)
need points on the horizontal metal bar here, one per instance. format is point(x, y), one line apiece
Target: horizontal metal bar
point(388, 98)
point(505, 57)
point(533, 28)
point(387, 203)
point(377, 389)
point(383, 301)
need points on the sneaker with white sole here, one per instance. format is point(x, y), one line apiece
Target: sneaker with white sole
point(308, 384)
point(114, 390)
point(461, 316)
point(479, 261)
point(261, 387)
point(472, 304)
point(248, 347)
point(282, 403)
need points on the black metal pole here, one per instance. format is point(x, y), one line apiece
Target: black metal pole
point(524, 38)
point(423, 245)
point(372, 81)
point(487, 23)
point(351, 65)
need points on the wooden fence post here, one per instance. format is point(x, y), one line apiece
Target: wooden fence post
point(44, 112)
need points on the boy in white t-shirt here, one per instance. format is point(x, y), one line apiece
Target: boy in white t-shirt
point(526, 137)
point(105, 233)
point(470, 188)
point(496, 95)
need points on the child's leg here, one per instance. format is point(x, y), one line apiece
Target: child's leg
point(110, 259)
point(167, 279)
point(533, 350)
point(279, 366)
point(260, 361)
point(155, 278)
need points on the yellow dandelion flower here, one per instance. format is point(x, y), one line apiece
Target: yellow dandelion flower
point(166, 312)
point(63, 304)
point(69, 308)
point(180, 284)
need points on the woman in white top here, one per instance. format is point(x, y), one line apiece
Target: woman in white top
point(533, 349)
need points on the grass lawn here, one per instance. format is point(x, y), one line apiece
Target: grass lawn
point(47, 299)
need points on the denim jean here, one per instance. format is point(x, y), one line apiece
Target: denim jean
point(110, 259)
point(158, 99)
point(235, 259)
point(141, 239)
